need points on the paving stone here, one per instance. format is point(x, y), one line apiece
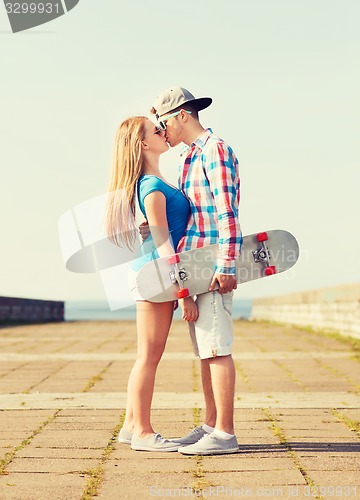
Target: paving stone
point(37, 486)
point(247, 444)
point(254, 427)
point(351, 414)
point(330, 434)
point(88, 419)
point(89, 413)
point(24, 413)
point(349, 369)
point(70, 438)
point(8, 444)
point(256, 478)
point(79, 426)
point(151, 484)
point(256, 448)
point(14, 436)
point(241, 462)
point(31, 451)
point(50, 465)
point(158, 463)
point(340, 447)
point(331, 463)
point(332, 441)
point(298, 423)
point(336, 478)
point(339, 453)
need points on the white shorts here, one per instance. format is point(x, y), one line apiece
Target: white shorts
point(212, 333)
point(133, 286)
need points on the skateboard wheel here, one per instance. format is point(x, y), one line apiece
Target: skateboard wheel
point(183, 293)
point(174, 259)
point(270, 270)
point(262, 237)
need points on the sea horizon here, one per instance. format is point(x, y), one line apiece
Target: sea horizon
point(96, 310)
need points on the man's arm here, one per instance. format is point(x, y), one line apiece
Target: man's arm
point(223, 175)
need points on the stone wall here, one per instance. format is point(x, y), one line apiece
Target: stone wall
point(336, 308)
point(17, 311)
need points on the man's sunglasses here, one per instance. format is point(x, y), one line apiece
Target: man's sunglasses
point(162, 123)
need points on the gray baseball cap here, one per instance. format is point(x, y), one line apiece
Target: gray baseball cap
point(177, 96)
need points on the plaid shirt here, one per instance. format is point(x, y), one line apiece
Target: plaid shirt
point(209, 178)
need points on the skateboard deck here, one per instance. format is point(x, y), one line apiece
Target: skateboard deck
point(190, 273)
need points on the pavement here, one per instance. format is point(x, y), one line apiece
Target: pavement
point(63, 394)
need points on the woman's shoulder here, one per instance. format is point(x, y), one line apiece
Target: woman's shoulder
point(150, 179)
point(152, 182)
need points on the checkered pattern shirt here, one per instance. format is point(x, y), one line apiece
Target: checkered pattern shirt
point(209, 178)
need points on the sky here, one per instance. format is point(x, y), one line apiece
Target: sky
point(284, 77)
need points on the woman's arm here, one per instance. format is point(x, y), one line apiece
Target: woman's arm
point(155, 207)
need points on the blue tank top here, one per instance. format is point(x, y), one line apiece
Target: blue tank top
point(177, 213)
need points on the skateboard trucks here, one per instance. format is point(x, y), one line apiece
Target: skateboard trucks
point(178, 276)
point(263, 254)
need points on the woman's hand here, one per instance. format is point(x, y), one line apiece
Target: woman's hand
point(189, 308)
point(144, 230)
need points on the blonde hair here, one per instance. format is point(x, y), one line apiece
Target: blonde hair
point(127, 165)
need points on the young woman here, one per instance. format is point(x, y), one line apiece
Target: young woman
point(135, 172)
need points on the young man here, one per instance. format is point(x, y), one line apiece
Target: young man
point(209, 178)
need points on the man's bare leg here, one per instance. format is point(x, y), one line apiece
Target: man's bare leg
point(210, 416)
point(222, 377)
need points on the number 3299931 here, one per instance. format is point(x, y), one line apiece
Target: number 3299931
point(32, 8)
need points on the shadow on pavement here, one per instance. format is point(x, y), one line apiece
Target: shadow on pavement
point(301, 447)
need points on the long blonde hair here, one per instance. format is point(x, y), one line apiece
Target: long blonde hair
point(127, 165)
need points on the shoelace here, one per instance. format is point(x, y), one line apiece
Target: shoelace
point(206, 437)
point(158, 437)
point(195, 431)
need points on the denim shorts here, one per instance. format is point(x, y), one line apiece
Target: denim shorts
point(212, 333)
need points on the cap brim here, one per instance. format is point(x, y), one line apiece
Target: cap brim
point(202, 102)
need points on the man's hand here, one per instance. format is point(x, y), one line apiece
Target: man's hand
point(144, 230)
point(227, 283)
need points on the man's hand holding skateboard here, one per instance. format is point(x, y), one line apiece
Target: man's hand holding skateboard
point(227, 283)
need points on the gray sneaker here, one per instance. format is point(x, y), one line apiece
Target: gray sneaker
point(153, 443)
point(125, 436)
point(211, 444)
point(192, 437)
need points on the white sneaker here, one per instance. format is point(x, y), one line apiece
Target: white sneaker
point(153, 443)
point(124, 436)
point(192, 437)
point(211, 444)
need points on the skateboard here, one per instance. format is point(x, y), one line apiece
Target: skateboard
point(190, 273)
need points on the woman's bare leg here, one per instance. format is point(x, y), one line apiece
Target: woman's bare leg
point(153, 325)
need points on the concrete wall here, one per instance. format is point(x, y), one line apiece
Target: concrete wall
point(336, 308)
point(14, 310)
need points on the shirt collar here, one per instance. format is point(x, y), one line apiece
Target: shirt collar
point(199, 142)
